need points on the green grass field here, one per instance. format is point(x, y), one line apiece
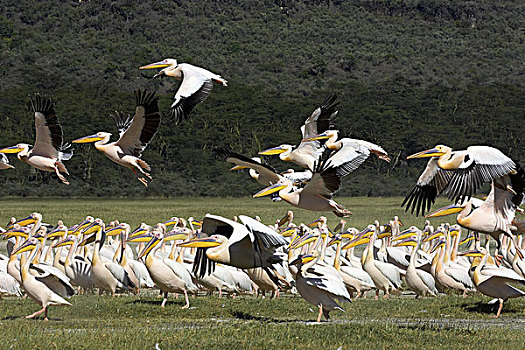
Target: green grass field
point(138, 322)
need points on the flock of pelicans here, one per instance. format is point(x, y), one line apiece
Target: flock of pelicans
point(243, 255)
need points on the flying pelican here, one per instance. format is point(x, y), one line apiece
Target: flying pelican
point(459, 174)
point(135, 136)
point(49, 150)
point(262, 173)
point(4, 162)
point(316, 195)
point(195, 87)
point(319, 284)
point(495, 215)
point(46, 289)
point(247, 245)
point(348, 154)
point(307, 153)
point(494, 281)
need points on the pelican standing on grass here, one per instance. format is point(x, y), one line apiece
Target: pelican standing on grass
point(49, 150)
point(135, 135)
point(195, 87)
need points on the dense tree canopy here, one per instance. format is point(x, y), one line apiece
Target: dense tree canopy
point(409, 74)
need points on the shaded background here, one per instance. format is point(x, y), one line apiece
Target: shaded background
point(409, 75)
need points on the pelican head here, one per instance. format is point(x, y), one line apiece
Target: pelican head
point(168, 62)
point(59, 231)
point(15, 149)
point(93, 138)
point(437, 151)
point(30, 244)
point(156, 237)
point(270, 189)
point(68, 240)
point(447, 210)
point(285, 149)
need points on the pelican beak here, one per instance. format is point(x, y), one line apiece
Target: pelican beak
point(302, 241)
point(322, 136)
point(175, 235)
point(405, 234)
point(454, 232)
point(155, 65)
point(307, 258)
point(16, 233)
point(200, 243)
point(356, 242)
point(269, 190)
point(64, 242)
point(467, 239)
point(151, 244)
point(93, 227)
point(140, 236)
point(273, 151)
point(172, 221)
point(75, 230)
point(384, 234)
point(400, 222)
point(288, 232)
point(314, 223)
point(114, 231)
point(238, 167)
point(334, 240)
point(472, 253)
point(448, 210)
point(56, 233)
point(87, 139)
point(433, 152)
point(347, 235)
point(26, 246)
point(440, 243)
point(12, 149)
point(406, 242)
point(435, 235)
point(26, 221)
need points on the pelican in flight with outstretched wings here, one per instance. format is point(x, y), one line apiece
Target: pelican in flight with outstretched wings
point(316, 195)
point(247, 245)
point(459, 174)
point(307, 153)
point(195, 87)
point(49, 150)
point(135, 135)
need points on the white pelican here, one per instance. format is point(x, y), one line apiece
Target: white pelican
point(167, 274)
point(195, 87)
point(49, 150)
point(348, 154)
point(316, 195)
point(46, 289)
point(308, 152)
point(262, 173)
point(459, 174)
point(495, 215)
point(494, 281)
point(135, 136)
point(76, 268)
point(108, 276)
point(4, 162)
point(319, 284)
point(247, 245)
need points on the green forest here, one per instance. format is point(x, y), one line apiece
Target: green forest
point(409, 74)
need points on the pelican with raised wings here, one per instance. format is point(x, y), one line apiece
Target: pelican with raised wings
point(4, 162)
point(46, 289)
point(319, 284)
point(135, 135)
point(459, 174)
point(316, 195)
point(307, 153)
point(262, 173)
point(195, 87)
point(494, 215)
point(247, 245)
point(49, 150)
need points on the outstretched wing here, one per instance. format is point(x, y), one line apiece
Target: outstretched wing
point(325, 182)
point(144, 125)
point(320, 120)
point(430, 184)
point(49, 136)
point(123, 122)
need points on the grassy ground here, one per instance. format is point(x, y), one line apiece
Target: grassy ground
point(245, 322)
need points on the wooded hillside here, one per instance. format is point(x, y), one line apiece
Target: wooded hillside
point(409, 74)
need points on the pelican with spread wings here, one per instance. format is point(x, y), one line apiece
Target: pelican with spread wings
point(308, 151)
point(49, 150)
point(4, 162)
point(135, 135)
point(459, 174)
point(195, 87)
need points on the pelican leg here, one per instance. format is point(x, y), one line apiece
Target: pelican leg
point(164, 300)
point(60, 176)
point(499, 308)
point(187, 301)
point(320, 313)
point(377, 294)
point(37, 313)
point(45, 315)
